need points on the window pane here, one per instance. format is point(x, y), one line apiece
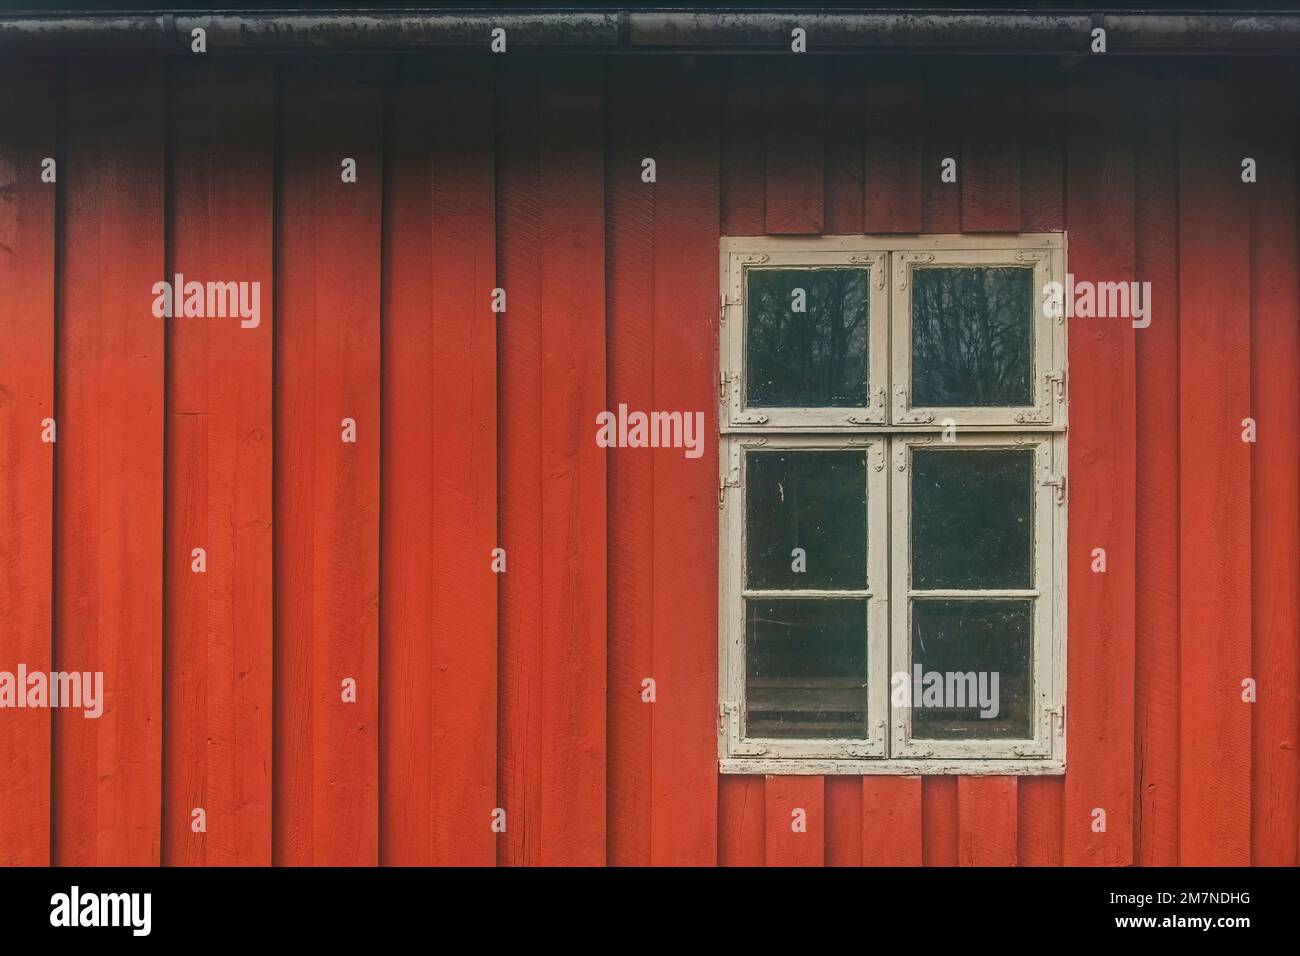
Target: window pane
point(972, 518)
point(806, 668)
point(814, 357)
point(814, 500)
point(974, 658)
point(971, 332)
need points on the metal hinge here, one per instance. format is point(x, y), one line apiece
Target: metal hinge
point(1057, 482)
point(728, 708)
point(723, 302)
point(731, 481)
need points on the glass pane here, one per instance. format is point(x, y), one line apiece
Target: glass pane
point(971, 337)
point(972, 518)
point(812, 500)
point(817, 356)
point(806, 668)
point(971, 675)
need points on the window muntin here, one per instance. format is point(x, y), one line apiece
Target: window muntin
point(965, 568)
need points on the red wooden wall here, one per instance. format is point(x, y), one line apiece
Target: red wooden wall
point(373, 560)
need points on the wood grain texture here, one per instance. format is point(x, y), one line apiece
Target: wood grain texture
point(684, 767)
point(327, 490)
point(796, 821)
point(743, 169)
point(519, 446)
point(891, 821)
point(742, 820)
point(1102, 470)
point(27, 329)
point(572, 221)
point(989, 172)
point(630, 314)
point(522, 690)
point(987, 822)
point(1214, 347)
point(845, 123)
point(108, 596)
point(843, 798)
point(1156, 735)
point(794, 145)
point(1275, 475)
point(892, 173)
point(218, 651)
point(440, 435)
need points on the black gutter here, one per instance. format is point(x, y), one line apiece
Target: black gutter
point(663, 30)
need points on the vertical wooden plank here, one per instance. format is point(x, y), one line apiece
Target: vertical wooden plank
point(1156, 577)
point(630, 312)
point(844, 820)
point(941, 140)
point(109, 458)
point(1215, 484)
point(891, 821)
point(27, 329)
point(987, 821)
point(463, 760)
point(892, 160)
point(742, 820)
point(1275, 406)
point(409, 463)
point(1042, 147)
point(990, 154)
point(573, 468)
point(439, 433)
point(743, 168)
point(1038, 807)
point(1102, 466)
point(794, 145)
point(519, 447)
point(939, 821)
point(796, 821)
point(218, 634)
point(684, 762)
point(327, 490)
point(845, 123)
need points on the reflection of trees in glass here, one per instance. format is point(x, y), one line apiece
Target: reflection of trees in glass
point(971, 336)
point(817, 357)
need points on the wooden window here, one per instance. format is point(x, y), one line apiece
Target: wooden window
point(892, 579)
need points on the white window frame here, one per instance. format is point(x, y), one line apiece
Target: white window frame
point(887, 430)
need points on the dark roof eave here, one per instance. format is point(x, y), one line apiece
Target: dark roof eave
point(647, 30)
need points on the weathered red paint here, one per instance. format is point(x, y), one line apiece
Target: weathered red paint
point(523, 691)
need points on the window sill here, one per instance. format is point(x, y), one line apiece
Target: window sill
point(876, 767)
